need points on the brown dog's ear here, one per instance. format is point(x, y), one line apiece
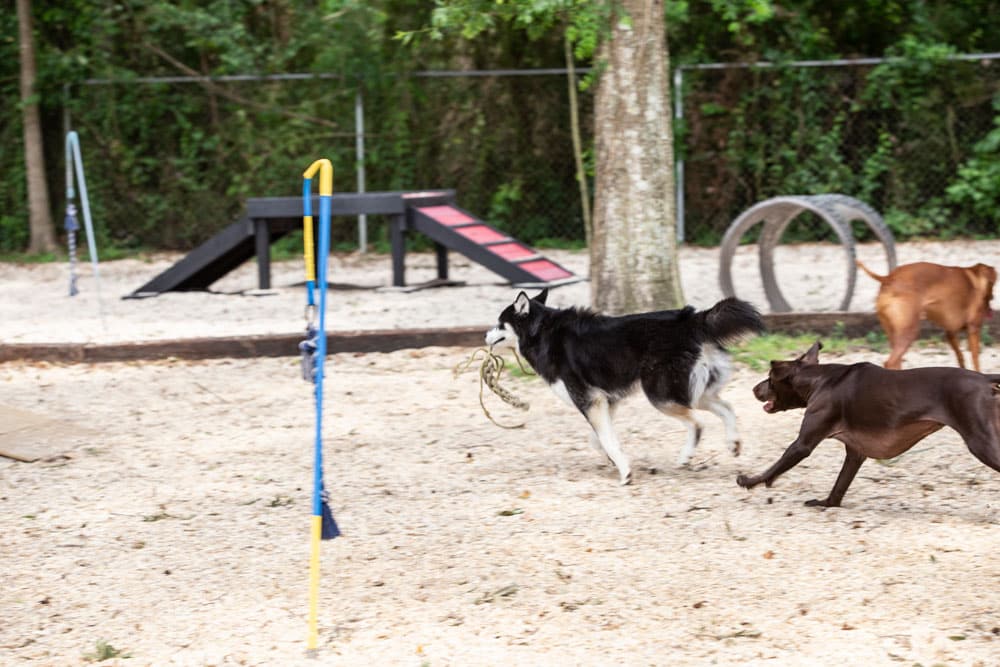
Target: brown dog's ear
point(986, 273)
point(780, 370)
point(812, 356)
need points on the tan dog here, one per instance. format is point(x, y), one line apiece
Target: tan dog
point(953, 297)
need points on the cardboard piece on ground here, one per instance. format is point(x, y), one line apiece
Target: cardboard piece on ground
point(29, 436)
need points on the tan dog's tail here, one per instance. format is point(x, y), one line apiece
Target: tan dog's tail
point(864, 268)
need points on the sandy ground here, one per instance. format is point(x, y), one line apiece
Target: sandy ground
point(175, 528)
point(34, 306)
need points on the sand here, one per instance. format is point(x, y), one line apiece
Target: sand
point(179, 534)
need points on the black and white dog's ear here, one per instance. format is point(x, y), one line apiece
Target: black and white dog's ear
point(522, 304)
point(544, 294)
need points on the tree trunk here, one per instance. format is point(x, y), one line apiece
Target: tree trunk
point(40, 217)
point(633, 257)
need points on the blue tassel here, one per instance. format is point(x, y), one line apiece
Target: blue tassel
point(69, 223)
point(329, 529)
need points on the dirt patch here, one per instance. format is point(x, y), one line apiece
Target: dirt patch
point(180, 535)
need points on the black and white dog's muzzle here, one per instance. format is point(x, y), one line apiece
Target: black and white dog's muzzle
point(501, 335)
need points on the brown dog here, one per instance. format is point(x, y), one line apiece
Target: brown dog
point(953, 297)
point(877, 412)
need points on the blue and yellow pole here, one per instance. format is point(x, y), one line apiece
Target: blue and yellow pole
point(323, 526)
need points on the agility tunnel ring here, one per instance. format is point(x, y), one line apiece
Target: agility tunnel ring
point(838, 211)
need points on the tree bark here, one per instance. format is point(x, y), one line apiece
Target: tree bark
point(633, 257)
point(39, 215)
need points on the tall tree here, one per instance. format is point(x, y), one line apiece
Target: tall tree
point(633, 254)
point(40, 217)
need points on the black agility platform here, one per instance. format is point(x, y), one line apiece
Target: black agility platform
point(433, 214)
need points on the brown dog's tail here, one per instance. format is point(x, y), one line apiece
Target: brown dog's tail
point(864, 268)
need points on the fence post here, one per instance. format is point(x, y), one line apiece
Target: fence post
point(679, 171)
point(359, 149)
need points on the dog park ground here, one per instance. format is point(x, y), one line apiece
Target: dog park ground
point(170, 523)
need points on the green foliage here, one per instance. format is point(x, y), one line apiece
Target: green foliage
point(976, 190)
point(585, 23)
point(170, 164)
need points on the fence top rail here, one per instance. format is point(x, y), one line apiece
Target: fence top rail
point(837, 62)
point(304, 76)
point(550, 71)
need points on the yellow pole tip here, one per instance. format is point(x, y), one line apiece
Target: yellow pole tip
point(325, 169)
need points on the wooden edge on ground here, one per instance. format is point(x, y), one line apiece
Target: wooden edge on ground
point(383, 340)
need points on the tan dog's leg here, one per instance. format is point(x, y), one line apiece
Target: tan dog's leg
point(901, 321)
point(973, 334)
point(955, 345)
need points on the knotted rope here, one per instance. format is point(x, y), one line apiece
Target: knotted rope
point(489, 375)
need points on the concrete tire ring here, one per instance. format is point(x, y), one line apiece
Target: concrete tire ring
point(777, 213)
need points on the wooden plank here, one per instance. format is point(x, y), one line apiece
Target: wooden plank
point(241, 347)
point(286, 345)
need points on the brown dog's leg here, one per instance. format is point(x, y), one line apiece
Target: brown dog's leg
point(983, 436)
point(953, 341)
point(852, 462)
point(811, 433)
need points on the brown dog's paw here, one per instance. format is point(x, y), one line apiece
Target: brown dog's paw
point(744, 481)
point(819, 503)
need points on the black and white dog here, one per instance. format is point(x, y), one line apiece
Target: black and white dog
point(593, 361)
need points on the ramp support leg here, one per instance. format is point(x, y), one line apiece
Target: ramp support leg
point(397, 237)
point(262, 245)
point(442, 260)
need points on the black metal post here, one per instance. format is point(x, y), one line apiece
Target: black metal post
point(442, 260)
point(262, 246)
point(397, 237)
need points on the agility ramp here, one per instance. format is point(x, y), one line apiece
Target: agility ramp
point(433, 214)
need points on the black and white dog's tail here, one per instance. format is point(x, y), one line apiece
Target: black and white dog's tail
point(730, 320)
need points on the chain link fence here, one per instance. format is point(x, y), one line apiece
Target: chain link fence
point(170, 162)
point(502, 142)
point(901, 136)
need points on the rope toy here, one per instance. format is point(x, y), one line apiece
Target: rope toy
point(489, 375)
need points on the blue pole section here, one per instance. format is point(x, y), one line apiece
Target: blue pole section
point(323, 253)
point(73, 157)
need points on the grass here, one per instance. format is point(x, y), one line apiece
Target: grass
point(758, 352)
point(104, 254)
point(104, 651)
point(25, 258)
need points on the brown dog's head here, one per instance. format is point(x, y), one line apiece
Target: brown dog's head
point(778, 392)
point(984, 277)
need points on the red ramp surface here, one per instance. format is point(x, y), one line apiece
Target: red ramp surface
point(484, 244)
